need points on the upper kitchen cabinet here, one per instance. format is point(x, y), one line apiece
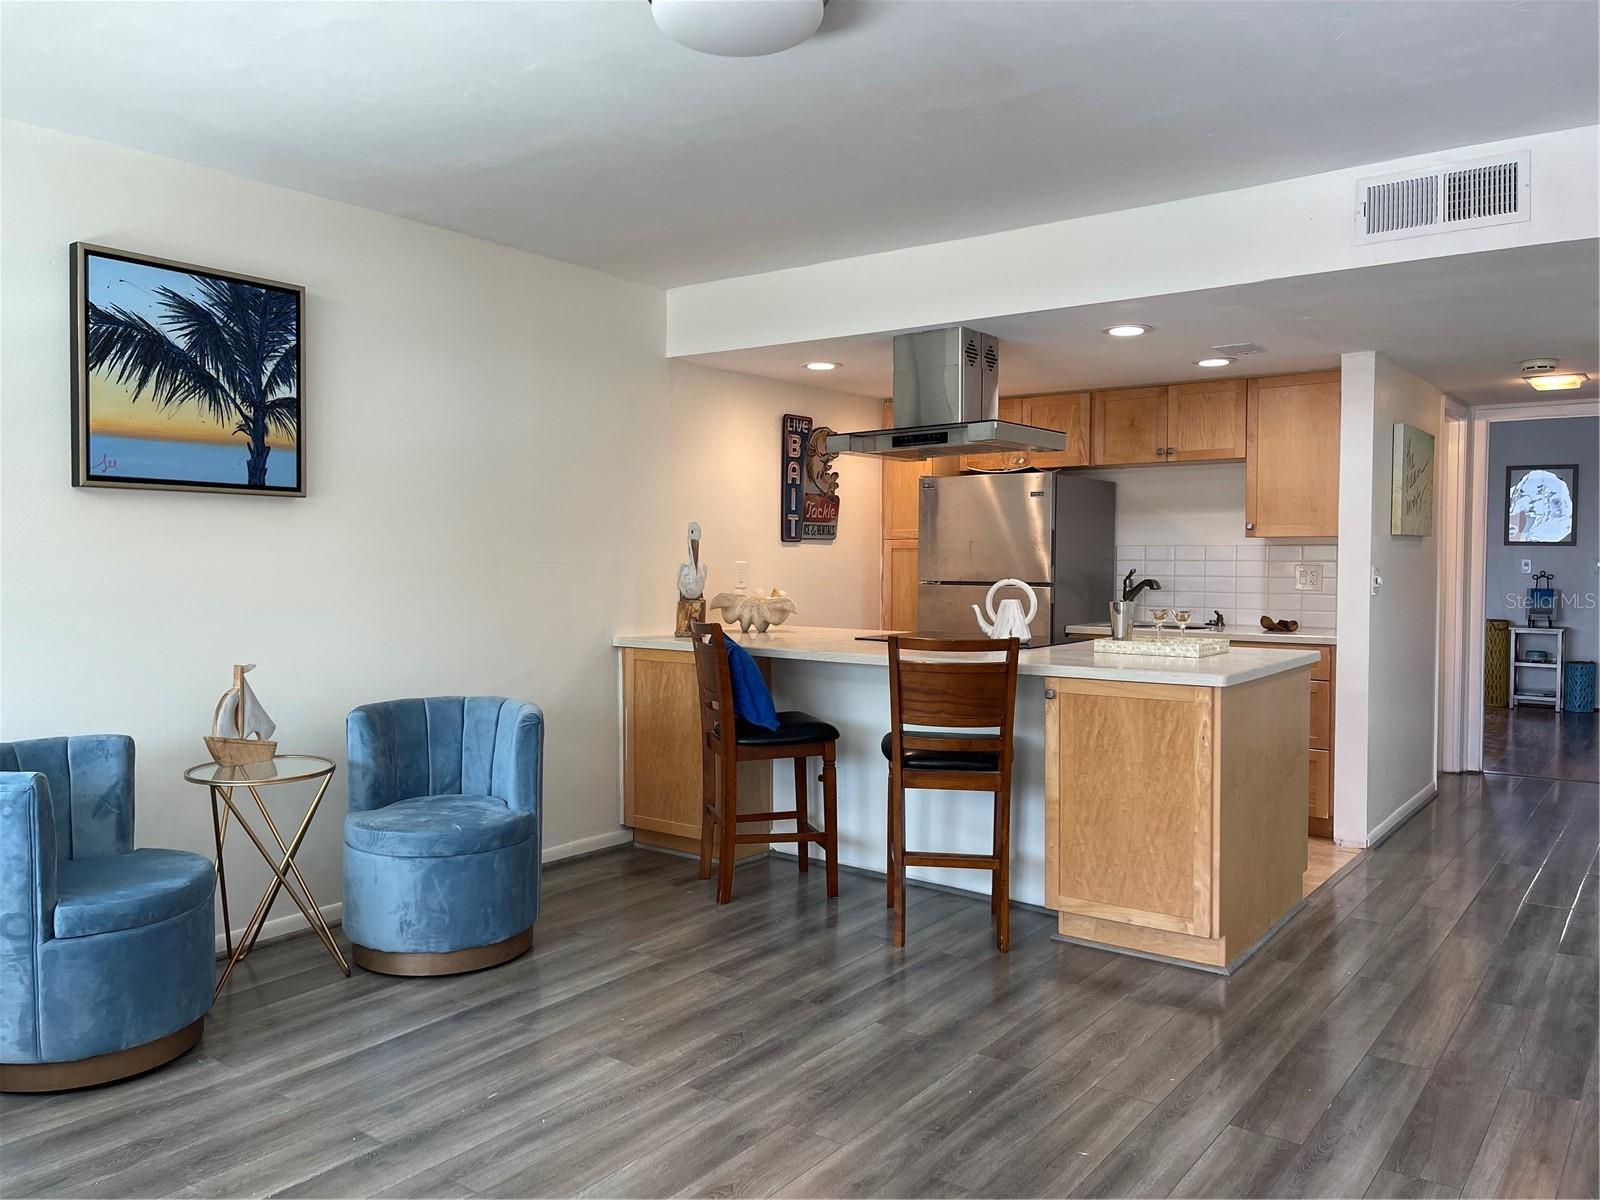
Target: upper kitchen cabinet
point(1292, 456)
point(1206, 421)
point(1065, 412)
point(1130, 426)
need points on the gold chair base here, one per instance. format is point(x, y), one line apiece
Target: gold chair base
point(102, 1068)
point(448, 962)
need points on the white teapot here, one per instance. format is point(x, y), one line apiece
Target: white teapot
point(1010, 621)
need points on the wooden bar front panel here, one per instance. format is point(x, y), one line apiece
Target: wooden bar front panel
point(1135, 771)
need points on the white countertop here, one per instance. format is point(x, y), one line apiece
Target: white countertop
point(1243, 633)
point(1074, 661)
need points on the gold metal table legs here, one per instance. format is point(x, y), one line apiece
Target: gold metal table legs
point(285, 874)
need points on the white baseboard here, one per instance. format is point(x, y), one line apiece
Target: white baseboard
point(1395, 819)
point(290, 923)
point(285, 925)
point(588, 845)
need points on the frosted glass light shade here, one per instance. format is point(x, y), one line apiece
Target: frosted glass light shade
point(737, 28)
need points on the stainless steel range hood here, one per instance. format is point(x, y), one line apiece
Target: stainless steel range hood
point(946, 401)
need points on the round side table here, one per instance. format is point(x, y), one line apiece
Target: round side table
point(252, 777)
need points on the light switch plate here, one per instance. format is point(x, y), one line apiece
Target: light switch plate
point(1527, 566)
point(742, 570)
point(1307, 577)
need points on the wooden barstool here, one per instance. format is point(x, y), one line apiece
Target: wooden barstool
point(799, 736)
point(937, 692)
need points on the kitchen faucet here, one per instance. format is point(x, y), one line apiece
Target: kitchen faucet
point(1131, 590)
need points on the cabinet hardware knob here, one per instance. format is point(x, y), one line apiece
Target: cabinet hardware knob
point(1049, 693)
point(1170, 449)
point(1249, 525)
point(1160, 451)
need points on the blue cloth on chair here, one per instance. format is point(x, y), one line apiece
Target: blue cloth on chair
point(752, 698)
point(105, 947)
point(441, 845)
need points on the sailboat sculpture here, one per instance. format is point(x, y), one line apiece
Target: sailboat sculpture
point(240, 727)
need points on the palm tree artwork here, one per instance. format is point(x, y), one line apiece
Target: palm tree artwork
point(193, 378)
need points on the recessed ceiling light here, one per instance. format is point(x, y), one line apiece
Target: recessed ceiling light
point(1215, 361)
point(1129, 330)
point(1558, 383)
point(822, 366)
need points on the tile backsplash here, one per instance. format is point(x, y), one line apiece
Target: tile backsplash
point(1242, 581)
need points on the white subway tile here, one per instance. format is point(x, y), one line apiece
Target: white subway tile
point(1189, 583)
point(1130, 551)
point(1220, 599)
point(1188, 552)
point(1124, 565)
point(1318, 602)
point(1252, 571)
point(1220, 569)
point(1158, 552)
point(1188, 599)
point(1228, 552)
point(1254, 552)
point(1255, 600)
point(1319, 553)
point(1284, 553)
point(1280, 570)
point(1281, 587)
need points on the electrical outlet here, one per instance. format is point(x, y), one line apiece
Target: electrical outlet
point(1527, 566)
point(1307, 577)
point(742, 570)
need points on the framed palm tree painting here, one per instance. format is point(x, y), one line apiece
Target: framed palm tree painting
point(184, 377)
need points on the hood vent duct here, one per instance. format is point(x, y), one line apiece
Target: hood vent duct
point(946, 402)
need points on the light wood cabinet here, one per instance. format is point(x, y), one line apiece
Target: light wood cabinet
point(1130, 426)
point(1009, 460)
point(661, 765)
point(900, 499)
point(1064, 412)
point(1319, 745)
point(1206, 421)
point(1292, 456)
point(900, 585)
point(1167, 829)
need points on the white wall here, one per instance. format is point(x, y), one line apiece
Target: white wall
point(1295, 227)
point(485, 430)
point(720, 436)
point(1385, 751)
point(1198, 504)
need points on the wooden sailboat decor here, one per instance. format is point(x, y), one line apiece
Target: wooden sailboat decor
point(240, 727)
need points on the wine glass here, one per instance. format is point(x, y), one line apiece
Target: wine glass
point(1159, 616)
point(1181, 616)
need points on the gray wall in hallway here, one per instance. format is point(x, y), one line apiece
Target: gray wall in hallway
point(1547, 443)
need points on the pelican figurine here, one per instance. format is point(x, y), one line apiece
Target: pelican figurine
point(691, 575)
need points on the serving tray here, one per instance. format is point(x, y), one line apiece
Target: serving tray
point(1166, 647)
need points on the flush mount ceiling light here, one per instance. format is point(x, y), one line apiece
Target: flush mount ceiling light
point(1128, 330)
point(1214, 361)
point(737, 28)
point(822, 366)
point(1558, 383)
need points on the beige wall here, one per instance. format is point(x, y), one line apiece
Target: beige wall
point(499, 465)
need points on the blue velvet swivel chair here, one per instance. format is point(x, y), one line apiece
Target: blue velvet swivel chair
point(107, 953)
point(441, 845)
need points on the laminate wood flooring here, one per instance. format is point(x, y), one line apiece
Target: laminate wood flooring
point(1531, 740)
point(1425, 1027)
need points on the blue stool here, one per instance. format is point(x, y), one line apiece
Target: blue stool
point(1579, 690)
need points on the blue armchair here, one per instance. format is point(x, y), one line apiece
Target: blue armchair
point(107, 953)
point(441, 845)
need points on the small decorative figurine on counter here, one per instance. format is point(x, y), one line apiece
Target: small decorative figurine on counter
point(747, 610)
point(691, 585)
point(1010, 621)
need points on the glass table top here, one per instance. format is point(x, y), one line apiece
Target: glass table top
point(285, 768)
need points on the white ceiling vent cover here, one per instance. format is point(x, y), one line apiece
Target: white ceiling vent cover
point(1491, 191)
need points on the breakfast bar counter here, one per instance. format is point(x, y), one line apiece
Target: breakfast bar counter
point(1157, 803)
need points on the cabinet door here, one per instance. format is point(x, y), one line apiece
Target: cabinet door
point(1130, 426)
point(899, 585)
point(1009, 460)
point(1065, 412)
point(1205, 421)
point(1319, 799)
point(1292, 456)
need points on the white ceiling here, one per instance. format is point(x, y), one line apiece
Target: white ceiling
point(1462, 322)
point(574, 129)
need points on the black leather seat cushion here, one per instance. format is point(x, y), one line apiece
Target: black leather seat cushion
point(794, 729)
point(945, 760)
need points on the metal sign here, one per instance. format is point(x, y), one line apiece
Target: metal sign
point(796, 443)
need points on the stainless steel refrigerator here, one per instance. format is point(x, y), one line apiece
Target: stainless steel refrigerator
point(1053, 531)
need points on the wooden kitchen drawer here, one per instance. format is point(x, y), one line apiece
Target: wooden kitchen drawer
point(1321, 715)
point(1319, 795)
point(1321, 670)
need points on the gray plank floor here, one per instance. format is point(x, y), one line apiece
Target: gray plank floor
point(1426, 1027)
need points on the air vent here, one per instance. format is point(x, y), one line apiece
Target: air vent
point(1460, 196)
point(1239, 350)
point(991, 357)
point(970, 350)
